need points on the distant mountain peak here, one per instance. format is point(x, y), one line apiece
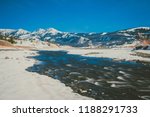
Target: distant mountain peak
point(7, 30)
point(53, 31)
point(104, 33)
point(22, 31)
point(143, 28)
point(41, 30)
point(137, 28)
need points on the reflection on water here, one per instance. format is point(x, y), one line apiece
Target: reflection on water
point(99, 78)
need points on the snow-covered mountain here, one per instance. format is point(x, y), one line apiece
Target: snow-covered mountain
point(81, 39)
point(122, 37)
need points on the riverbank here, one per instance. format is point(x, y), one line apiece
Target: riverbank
point(116, 54)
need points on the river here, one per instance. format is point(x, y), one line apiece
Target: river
point(99, 78)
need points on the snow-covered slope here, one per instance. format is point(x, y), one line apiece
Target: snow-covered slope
point(134, 29)
point(7, 32)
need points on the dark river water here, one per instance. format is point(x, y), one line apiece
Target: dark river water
point(99, 78)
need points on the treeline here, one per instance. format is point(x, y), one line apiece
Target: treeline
point(10, 39)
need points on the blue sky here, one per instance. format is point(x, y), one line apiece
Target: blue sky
point(75, 15)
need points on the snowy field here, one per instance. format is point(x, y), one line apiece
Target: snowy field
point(117, 54)
point(17, 83)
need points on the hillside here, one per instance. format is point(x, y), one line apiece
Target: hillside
point(5, 43)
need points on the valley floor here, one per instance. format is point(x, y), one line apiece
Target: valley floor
point(17, 83)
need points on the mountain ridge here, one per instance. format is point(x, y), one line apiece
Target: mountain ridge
point(126, 36)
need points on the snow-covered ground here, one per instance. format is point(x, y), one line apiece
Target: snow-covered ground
point(37, 44)
point(17, 83)
point(117, 54)
point(144, 51)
